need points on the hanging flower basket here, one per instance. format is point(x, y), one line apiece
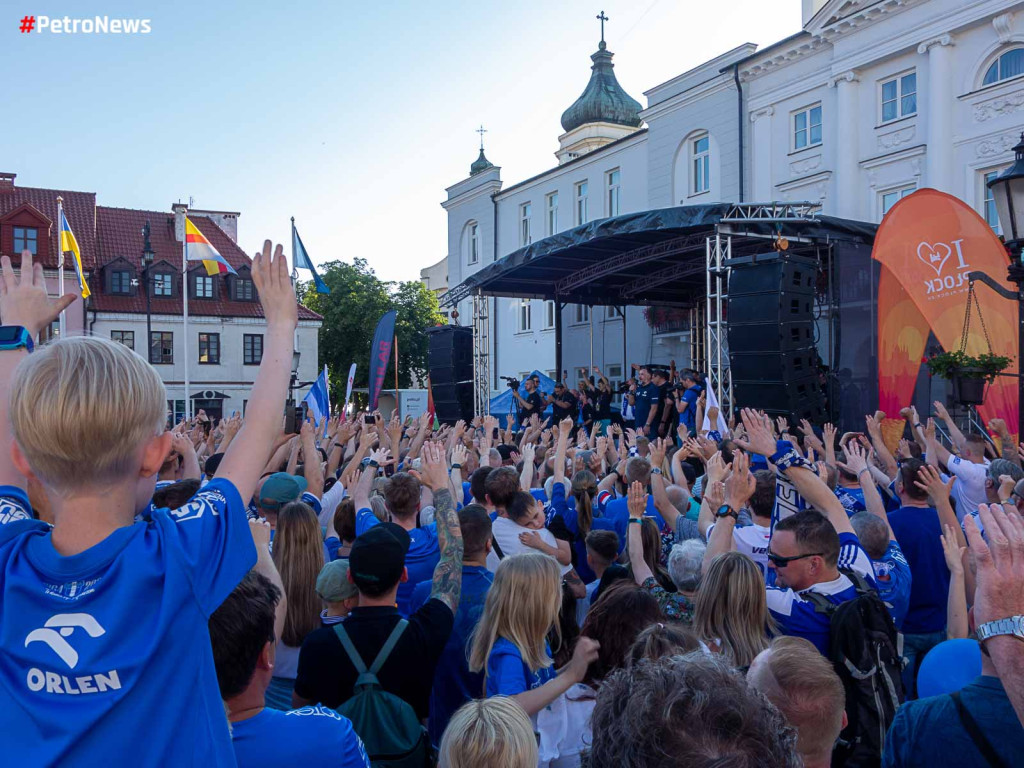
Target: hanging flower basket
point(969, 374)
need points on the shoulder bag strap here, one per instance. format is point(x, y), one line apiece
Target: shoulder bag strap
point(389, 646)
point(350, 649)
point(980, 741)
point(497, 549)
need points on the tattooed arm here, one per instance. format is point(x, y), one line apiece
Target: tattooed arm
point(447, 583)
point(575, 584)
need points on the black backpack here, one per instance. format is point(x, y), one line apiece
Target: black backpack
point(866, 651)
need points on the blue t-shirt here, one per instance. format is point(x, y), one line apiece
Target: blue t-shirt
point(918, 531)
point(467, 493)
point(507, 673)
point(647, 397)
point(893, 579)
point(689, 414)
point(616, 512)
point(313, 737)
point(14, 504)
point(110, 643)
point(929, 732)
point(420, 560)
point(797, 616)
point(454, 684)
point(852, 500)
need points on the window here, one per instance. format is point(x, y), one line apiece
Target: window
point(161, 348)
point(204, 287)
point(1009, 64)
point(701, 164)
point(121, 282)
point(890, 198)
point(175, 411)
point(807, 127)
point(614, 376)
point(549, 314)
point(474, 243)
point(899, 97)
point(244, 290)
point(582, 313)
point(613, 192)
point(124, 337)
point(552, 213)
point(988, 205)
point(252, 348)
point(26, 237)
point(209, 348)
point(524, 315)
point(162, 284)
point(526, 237)
point(612, 312)
point(52, 331)
point(581, 203)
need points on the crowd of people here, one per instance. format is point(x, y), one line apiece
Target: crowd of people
point(666, 585)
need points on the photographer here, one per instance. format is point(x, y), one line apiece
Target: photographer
point(532, 403)
point(563, 404)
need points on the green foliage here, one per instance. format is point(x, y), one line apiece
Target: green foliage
point(357, 300)
point(959, 363)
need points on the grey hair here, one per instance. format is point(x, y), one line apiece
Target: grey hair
point(872, 532)
point(684, 564)
point(1003, 467)
point(679, 498)
point(649, 714)
point(550, 483)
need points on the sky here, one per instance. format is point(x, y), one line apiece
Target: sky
point(351, 117)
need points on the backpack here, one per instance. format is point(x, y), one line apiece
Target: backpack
point(866, 651)
point(387, 724)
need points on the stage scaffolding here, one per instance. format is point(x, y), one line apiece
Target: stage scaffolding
point(481, 356)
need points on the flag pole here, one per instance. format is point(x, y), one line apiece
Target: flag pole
point(60, 258)
point(295, 280)
point(398, 407)
point(184, 295)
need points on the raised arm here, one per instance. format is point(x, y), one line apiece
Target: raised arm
point(248, 453)
point(717, 471)
point(421, 436)
point(857, 464)
point(260, 530)
point(955, 435)
point(738, 490)
point(181, 445)
point(637, 505)
point(931, 481)
point(361, 491)
point(956, 599)
point(874, 427)
point(231, 428)
point(447, 581)
point(311, 461)
point(1007, 448)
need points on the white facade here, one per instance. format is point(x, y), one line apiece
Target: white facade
point(872, 99)
point(231, 377)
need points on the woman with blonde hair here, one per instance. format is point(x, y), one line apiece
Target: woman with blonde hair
point(299, 558)
point(488, 733)
point(509, 644)
point(731, 614)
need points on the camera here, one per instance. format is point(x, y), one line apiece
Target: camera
point(294, 416)
point(623, 388)
point(511, 381)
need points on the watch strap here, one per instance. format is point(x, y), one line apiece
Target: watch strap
point(15, 337)
point(728, 512)
point(1011, 625)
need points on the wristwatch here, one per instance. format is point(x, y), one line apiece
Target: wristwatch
point(1012, 625)
point(726, 511)
point(655, 470)
point(15, 337)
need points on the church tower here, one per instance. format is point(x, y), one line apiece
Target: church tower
point(603, 113)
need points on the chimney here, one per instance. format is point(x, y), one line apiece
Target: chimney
point(180, 209)
point(6, 182)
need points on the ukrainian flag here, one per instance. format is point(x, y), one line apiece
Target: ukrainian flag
point(69, 243)
point(198, 248)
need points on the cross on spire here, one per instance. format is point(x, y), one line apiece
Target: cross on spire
point(602, 18)
point(481, 130)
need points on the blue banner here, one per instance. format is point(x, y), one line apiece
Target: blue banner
point(380, 354)
point(302, 260)
point(317, 398)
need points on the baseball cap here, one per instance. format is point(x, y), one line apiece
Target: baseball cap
point(378, 556)
point(281, 488)
point(333, 585)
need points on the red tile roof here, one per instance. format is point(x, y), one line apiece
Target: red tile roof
point(79, 207)
point(107, 234)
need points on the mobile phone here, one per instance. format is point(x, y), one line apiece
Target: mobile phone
point(368, 418)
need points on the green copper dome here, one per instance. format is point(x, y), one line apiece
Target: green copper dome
point(480, 164)
point(603, 100)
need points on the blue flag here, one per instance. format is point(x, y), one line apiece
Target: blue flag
point(380, 354)
point(319, 404)
point(302, 261)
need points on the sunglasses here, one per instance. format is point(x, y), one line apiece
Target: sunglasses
point(781, 562)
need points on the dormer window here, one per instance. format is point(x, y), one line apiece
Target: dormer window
point(26, 238)
point(203, 287)
point(121, 282)
point(163, 284)
point(244, 289)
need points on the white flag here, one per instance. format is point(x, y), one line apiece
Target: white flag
point(722, 427)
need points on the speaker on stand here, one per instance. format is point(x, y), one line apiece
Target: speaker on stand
point(450, 361)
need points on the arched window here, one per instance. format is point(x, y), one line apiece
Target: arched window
point(471, 243)
point(1007, 65)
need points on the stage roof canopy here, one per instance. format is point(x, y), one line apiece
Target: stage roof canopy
point(654, 257)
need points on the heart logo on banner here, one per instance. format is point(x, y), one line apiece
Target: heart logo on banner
point(932, 255)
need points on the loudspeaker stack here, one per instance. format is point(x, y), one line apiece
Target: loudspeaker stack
point(450, 360)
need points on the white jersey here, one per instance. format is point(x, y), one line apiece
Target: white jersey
point(752, 541)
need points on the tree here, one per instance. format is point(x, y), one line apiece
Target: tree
point(357, 300)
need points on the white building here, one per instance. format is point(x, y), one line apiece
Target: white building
point(870, 100)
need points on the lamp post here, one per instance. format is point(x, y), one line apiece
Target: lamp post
point(296, 356)
point(147, 263)
point(1008, 194)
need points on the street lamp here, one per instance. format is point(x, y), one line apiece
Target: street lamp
point(296, 355)
point(147, 262)
point(1008, 194)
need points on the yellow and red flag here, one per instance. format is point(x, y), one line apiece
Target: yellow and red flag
point(198, 248)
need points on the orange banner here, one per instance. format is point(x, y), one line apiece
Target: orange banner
point(927, 244)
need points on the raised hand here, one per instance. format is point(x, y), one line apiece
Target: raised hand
point(758, 439)
point(952, 552)
point(930, 480)
point(856, 459)
point(741, 483)
point(459, 454)
point(23, 300)
point(636, 501)
point(717, 468)
point(433, 468)
point(658, 448)
point(274, 286)
point(940, 411)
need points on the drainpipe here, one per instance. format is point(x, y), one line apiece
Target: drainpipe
point(739, 120)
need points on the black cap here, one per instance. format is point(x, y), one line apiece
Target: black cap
point(378, 556)
point(210, 468)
